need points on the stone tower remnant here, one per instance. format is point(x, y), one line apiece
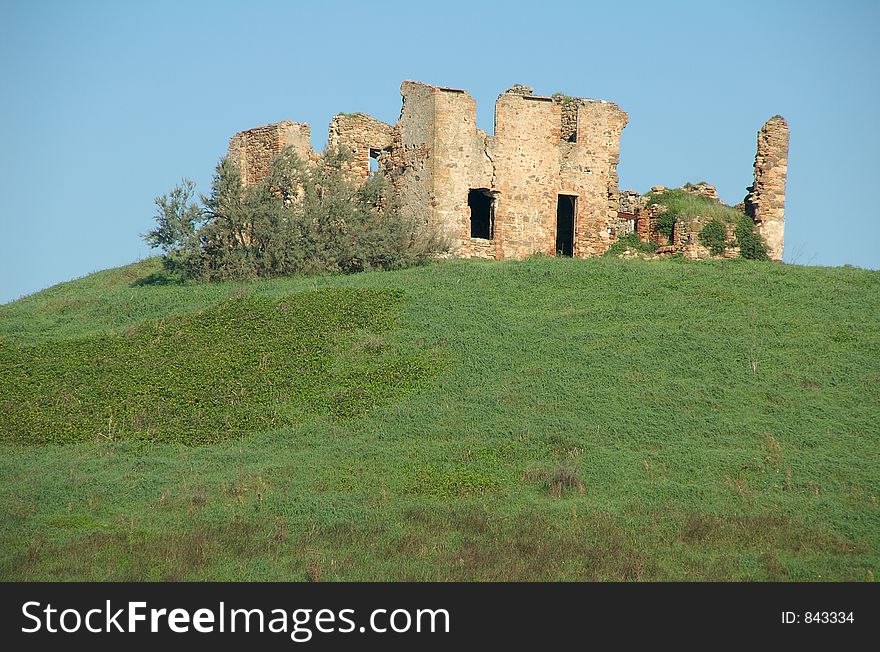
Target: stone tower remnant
point(765, 202)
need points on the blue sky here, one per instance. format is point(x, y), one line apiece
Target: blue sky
point(107, 104)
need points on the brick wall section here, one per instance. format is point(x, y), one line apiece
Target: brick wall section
point(765, 202)
point(411, 152)
point(360, 134)
point(252, 150)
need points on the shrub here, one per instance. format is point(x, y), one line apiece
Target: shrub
point(178, 220)
point(557, 479)
point(751, 244)
point(300, 219)
point(666, 224)
point(713, 236)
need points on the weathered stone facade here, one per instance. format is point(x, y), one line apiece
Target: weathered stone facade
point(765, 202)
point(545, 182)
point(366, 138)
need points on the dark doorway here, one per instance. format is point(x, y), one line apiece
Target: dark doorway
point(482, 214)
point(565, 212)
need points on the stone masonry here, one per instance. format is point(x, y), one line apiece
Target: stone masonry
point(547, 178)
point(365, 137)
point(765, 202)
point(544, 182)
point(252, 150)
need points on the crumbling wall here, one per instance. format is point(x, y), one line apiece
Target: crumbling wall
point(365, 137)
point(569, 126)
point(252, 150)
point(589, 168)
point(460, 164)
point(438, 156)
point(702, 189)
point(412, 152)
point(765, 202)
point(434, 156)
point(629, 201)
point(686, 238)
point(526, 147)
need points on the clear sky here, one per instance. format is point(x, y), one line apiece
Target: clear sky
point(104, 105)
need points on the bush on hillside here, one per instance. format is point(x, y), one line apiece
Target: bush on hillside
point(178, 222)
point(300, 219)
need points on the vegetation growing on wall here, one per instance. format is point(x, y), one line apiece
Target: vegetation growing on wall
point(631, 242)
point(751, 244)
point(713, 236)
point(299, 219)
point(564, 99)
point(686, 206)
point(681, 204)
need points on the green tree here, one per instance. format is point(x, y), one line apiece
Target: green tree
point(302, 218)
point(178, 223)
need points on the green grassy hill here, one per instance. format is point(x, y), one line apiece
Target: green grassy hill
point(548, 419)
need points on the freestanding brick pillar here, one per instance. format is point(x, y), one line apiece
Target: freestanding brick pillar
point(765, 202)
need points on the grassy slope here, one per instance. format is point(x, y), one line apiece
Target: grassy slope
point(722, 417)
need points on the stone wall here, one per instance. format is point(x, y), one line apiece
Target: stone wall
point(252, 150)
point(526, 151)
point(765, 202)
point(629, 201)
point(589, 168)
point(542, 148)
point(569, 108)
point(365, 137)
point(439, 156)
point(411, 152)
point(460, 163)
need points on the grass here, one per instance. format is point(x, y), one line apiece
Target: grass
point(631, 242)
point(247, 364)
point(685, 205)
point(548, 419)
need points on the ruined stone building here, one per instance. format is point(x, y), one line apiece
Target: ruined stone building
point(545, 182)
